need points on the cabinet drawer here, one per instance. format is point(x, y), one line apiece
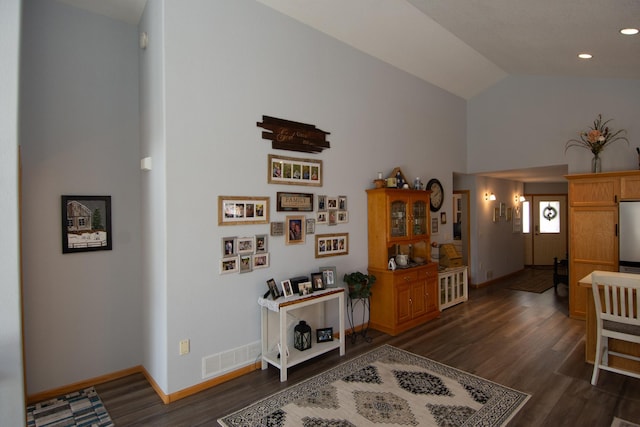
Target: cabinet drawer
point(403, 277)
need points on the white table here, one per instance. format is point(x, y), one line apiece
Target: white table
point(452, 287)
point(275, 312)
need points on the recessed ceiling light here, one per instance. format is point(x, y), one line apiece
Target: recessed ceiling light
point(585, 56)
point(629, 31)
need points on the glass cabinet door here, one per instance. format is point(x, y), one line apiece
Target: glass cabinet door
point(398, 226)
point(419, 219)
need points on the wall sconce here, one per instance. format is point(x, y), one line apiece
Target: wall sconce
point(488, 196)
point(519, 199)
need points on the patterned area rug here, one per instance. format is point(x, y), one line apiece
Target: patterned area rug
point(536, 280)
point(80, 408)
point(385, 386)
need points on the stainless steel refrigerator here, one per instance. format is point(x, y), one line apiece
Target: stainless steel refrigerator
point(629, 236)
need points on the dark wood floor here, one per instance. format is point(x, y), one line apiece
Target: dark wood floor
point(522, 340)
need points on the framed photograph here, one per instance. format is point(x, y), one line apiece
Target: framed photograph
point(261, 243)
point(502, 210)
point(273, 289)
point(294, 202)
point(517, 224)
point(332, 244)
point(322, 203)
point(229, 265)
point(332, 203)
point(343, 217)
point(294, 171)
point(310, 226)
point(260, 261)
point(329, 276)
point(342, 203)
point(321, 218)
point(443, 217)
point(316, 281)
point(246, 245)
point(324, 334)
point(434, 225)
point(86, 223)
point(243, 210)
point(509, 213)
point(332, 216)
point(305, 288)
point(295, 230)
point(229, 247)
point(287, 289)
point(246, 263)
point(277, 228)
point(496, 214)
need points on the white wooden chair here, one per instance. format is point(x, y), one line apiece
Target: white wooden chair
point(618, 317)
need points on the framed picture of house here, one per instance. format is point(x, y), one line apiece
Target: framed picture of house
point(86, 223)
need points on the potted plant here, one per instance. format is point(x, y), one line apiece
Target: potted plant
point(359, 284)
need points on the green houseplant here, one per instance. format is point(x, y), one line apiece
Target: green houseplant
point(359, 284)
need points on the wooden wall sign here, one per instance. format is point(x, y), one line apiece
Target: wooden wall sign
point(293, 136)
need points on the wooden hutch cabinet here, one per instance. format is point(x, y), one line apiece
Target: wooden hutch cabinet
point(593, 227)
point(399, 224)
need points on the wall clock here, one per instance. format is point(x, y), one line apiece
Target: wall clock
point(437, 195)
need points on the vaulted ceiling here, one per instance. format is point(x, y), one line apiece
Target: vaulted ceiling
point(465, 46)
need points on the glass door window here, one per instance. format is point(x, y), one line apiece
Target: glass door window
point(419, 218)
point(398, 219)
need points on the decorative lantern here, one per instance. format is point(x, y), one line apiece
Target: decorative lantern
point(302, 336)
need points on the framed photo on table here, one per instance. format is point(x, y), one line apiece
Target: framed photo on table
point(316, 281)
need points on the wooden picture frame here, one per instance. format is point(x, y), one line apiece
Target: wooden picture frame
point(233, 210)
point(331, 244)
point(86, 223)
point(443, 217)
point(496, 214)
point(294, 171)
point(229, 246)
point(294, 202)
point(230, 265)
point(434, 225)
point(295, 230)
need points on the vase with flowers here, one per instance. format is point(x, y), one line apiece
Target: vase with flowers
point(596, 139)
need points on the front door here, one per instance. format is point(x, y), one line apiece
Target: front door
point(548, 217)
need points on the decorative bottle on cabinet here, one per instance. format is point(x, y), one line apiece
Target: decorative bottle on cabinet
point(398, 224)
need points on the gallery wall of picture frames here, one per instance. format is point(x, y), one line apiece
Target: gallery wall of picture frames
point(245, 254)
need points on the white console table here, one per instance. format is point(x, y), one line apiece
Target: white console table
point(275, 313)
point(452, 286)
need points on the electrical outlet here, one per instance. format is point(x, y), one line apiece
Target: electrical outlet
point(184, 347)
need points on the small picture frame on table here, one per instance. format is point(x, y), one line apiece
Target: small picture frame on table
point(287, 289)
point(316, 281)
point(305, 288)
point(324, 334)
point(273, 289)
point(329, 276)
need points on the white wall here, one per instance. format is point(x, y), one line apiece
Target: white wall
point(79, 134)
point(153, 197)
point(227, 64)
point(524, 122)
point(11, 368)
